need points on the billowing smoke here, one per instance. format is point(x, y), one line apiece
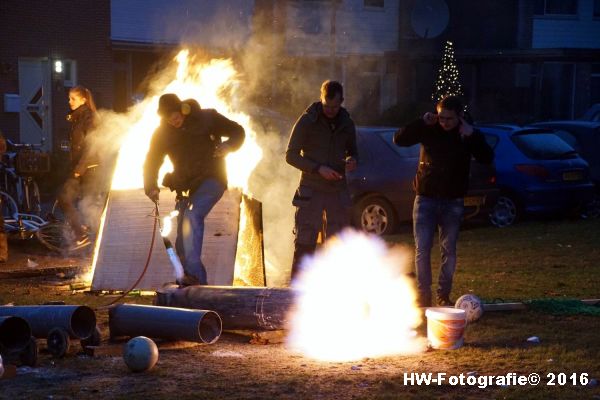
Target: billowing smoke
point(273, 183)
point(278, 82)
point(104, 143)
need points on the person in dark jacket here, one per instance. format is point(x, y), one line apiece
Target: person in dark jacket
point(83, 160)
point(323, 146)
point(191, 137)
point(447, 144)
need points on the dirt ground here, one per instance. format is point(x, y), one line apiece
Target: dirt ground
point(237, 367)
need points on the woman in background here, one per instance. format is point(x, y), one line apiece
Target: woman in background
point(82, 117)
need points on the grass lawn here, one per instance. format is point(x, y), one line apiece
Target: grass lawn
point(532, 260)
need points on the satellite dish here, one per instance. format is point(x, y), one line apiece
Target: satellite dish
point(429, 18)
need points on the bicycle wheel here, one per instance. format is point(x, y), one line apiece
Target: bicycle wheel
point(8, 205)
point(58, 236)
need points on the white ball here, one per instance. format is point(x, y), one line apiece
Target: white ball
point(472, 305)
point(140, 354)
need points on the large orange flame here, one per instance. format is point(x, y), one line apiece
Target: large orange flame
point(214, 85)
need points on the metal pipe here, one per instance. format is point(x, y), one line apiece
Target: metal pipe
point(15, 334)
point(78, 321)
point(523, 306)
point(255, 308)
point(164, 322)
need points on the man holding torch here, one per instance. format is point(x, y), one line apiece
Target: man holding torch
point(191, 137)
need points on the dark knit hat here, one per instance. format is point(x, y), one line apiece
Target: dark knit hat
point(168, 103)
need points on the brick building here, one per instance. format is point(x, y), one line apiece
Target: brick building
point(47, 47)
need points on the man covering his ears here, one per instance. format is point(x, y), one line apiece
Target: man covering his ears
point(191, 137)
point(447, 144)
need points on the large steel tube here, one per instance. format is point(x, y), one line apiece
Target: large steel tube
point(164, 322)
point(15, 334)
point(255, 308)
point(78, 321)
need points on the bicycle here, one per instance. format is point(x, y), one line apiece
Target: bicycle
point(17, 174)
point(54, 234)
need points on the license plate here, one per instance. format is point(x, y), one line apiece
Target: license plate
point(572, 176)
point(474, 201)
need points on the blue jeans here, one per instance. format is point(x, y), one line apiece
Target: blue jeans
point(190, 233)
point(429, 214)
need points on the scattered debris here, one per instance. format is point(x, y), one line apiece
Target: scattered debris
point(227, 353)
point(267, 337)
point(79, 286)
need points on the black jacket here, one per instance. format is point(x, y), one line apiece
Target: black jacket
point(82, 121)
point(445, 158)
point(316, 141)
point(191, 150)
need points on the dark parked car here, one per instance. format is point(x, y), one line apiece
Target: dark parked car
point(537, 172)
point(382, 185)
point(584, 137)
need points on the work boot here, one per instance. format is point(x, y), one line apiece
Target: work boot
point(188, 280)
point(83, 239)
point(443, 300)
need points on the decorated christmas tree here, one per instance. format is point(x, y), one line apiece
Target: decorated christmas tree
point(447, 82)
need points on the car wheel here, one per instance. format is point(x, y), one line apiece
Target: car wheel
point(592, 209)
point(505, 212)
point(375, 215)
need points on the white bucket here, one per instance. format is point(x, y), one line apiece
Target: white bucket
point(445, 327)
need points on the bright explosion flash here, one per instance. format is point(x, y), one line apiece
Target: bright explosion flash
point(354, 302)
point(213, 85)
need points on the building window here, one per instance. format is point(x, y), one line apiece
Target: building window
point(596, 8)
point(558, 90)
point(374, 3)
point(556, 7)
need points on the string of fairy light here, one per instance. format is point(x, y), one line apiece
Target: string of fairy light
point(447, 82)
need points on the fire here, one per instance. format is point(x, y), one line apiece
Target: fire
point(214, 85)
point(167, 224)
point(355, 302)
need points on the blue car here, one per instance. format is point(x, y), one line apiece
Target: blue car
point(537, 172)
point(382, 185)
